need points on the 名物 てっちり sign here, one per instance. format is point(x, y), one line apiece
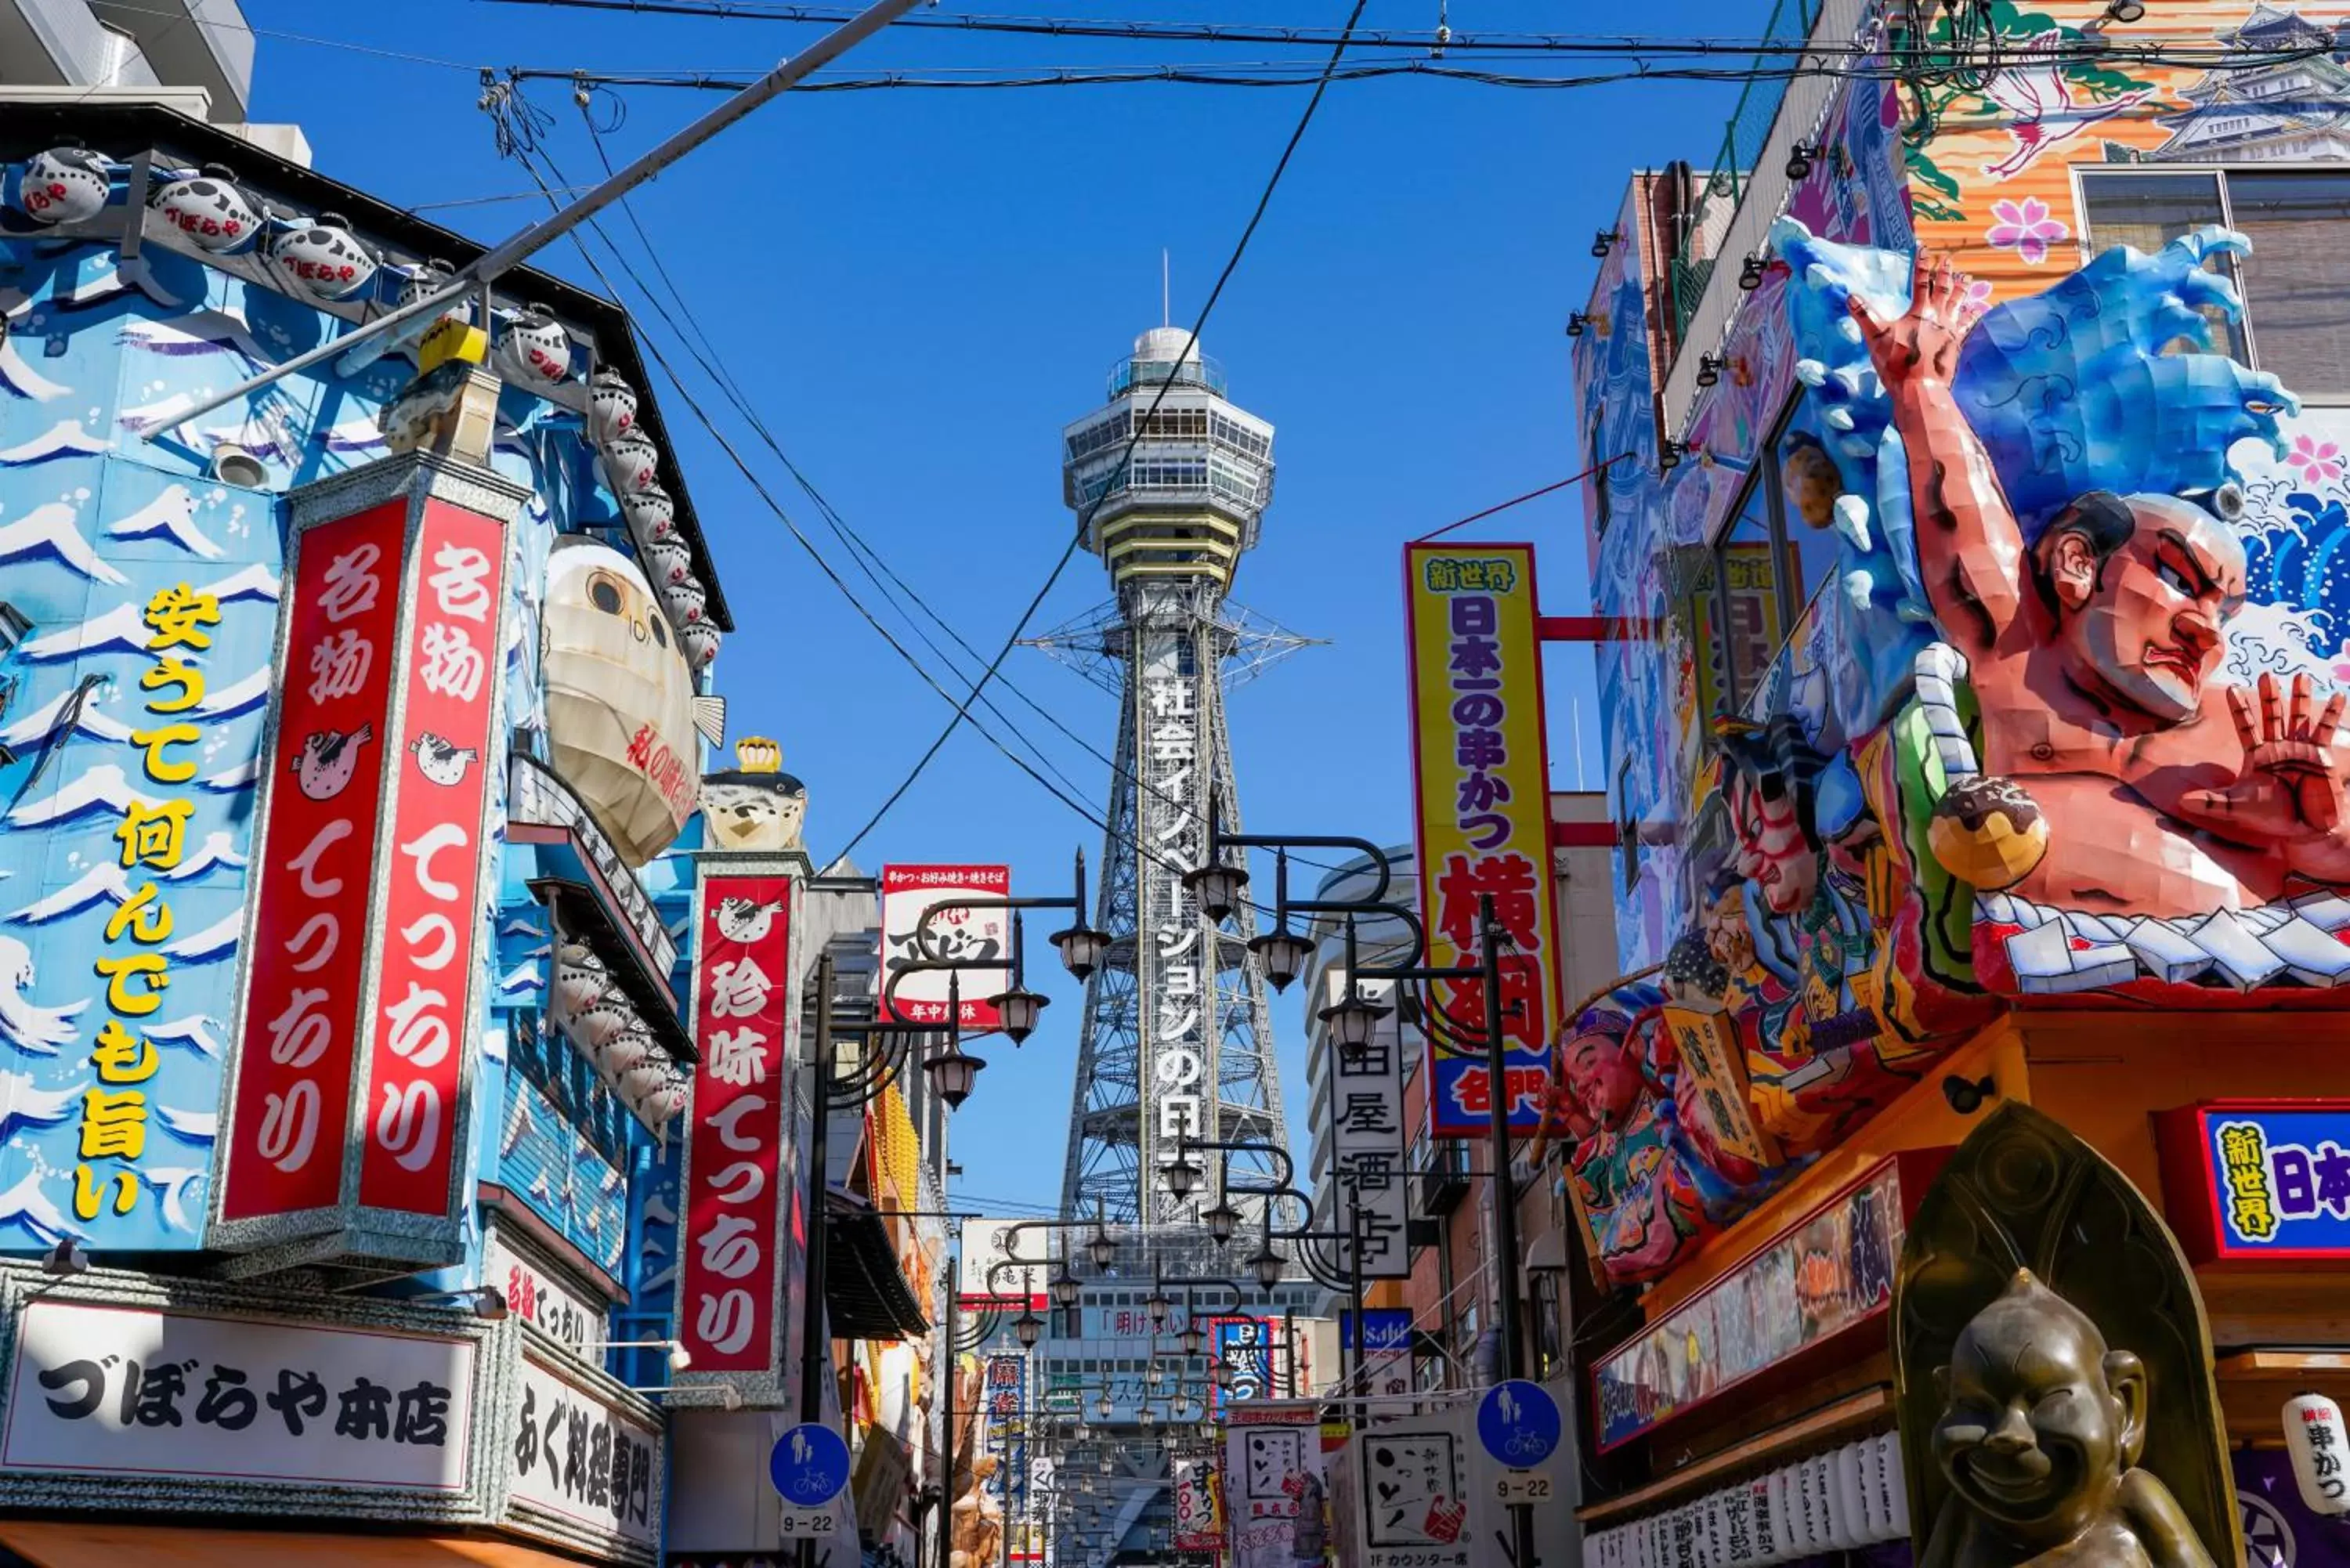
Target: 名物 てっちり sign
point(971, 936)
point(358, 1025)
point(1481, 779)
point(2264, 1181)
point(729, 1289)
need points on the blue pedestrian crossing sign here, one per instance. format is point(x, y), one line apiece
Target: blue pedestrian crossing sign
point(809, 1465)
point(1518, 1424)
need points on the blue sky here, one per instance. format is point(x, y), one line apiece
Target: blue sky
point(918, 289)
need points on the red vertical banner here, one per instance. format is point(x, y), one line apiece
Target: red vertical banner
point(315, 864)
point(735, 1201)
point(431, 927)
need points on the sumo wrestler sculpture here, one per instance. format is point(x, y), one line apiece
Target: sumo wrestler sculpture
point(2091, 646)
point(2040, 1435)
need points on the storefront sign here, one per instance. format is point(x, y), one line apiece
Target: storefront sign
point(1369, 1142)
point(909, 892)
point(1831, 1271)
point(1276, 1488)
point(122, 1391)
point(1003, 1267)
point(322, 799)
point(1481, 781)
point(350, 1109)
point(2263, 1181)
point(586, 1463)
point(1245, 1344)
point(1414, 1505)
point(565, 1314)
point(729, 1287)
point(1199, 1516)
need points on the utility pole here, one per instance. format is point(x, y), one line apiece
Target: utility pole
point(1505, 1202)
point(815, 1347)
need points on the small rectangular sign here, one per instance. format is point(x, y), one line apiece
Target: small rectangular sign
point(2258, 1181)
point(910, 892)
point(590, 1467)
point(1522, 1486)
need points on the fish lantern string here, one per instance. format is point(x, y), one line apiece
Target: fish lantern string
point(212, 210)
point(533, 351)
point(64, 185)
point(324, 257)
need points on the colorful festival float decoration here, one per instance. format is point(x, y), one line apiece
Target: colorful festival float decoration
point(145, 571)
point(2044, 736)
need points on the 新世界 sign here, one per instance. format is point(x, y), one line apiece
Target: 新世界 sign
point(2263, 1181)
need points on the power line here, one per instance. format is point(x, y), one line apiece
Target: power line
point(1084, 521)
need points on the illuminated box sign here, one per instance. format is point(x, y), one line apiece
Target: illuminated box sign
point(357, 1032)
point(745, 1020)
point(2263, 1181)
point(1831, 1272)
point(1245, 1344)
point(1480, 787)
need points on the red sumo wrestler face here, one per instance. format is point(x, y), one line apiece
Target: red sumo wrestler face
point(2143, 589)
point(1603, 1074)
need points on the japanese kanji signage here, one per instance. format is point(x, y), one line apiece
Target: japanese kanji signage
point(355, 1054)
point(138, 1391)
point(730, 1289)
point(2258, 1181)
point(1245, 1344)
point(1413, 1503)
point(1275, 1489)
point(1176, 966)
point(907, 893)
point(1481, 777)
point(1368, 1140)
point(533, 1295)
point(585, 1465)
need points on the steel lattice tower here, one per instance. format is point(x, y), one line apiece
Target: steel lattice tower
point(1176, 1039)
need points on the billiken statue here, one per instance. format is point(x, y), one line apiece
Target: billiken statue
point(2092, 648)
point(2039, 1435)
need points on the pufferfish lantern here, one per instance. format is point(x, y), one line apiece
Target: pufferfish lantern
point(753, 805)
point(325, 257)
point(650, 513)
point(210, 210)
point(533, 352)
point(612, 407)
point(64, 185)
point(619, 698)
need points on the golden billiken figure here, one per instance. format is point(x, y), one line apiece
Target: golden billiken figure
point(2093, 650)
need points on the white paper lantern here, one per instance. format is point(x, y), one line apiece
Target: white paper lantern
point(210, 210)
point(2314, 1434)
point(1875, 1523)
point(594, 1027)
point(1840, 1470)
point(663, 1105)
point(324, 257)
point(688, 604)
point(1897, 1484)
point(1594, 1550)
point(700, 641)
point(64, 185)
point(1765, 1516)
point(1812, 1504)
point(1705, 1533)
point(1738, 1527)
point(612, 407)
point(652, 513)
point(624, 1054)
point(667, 561)
point(533, 351)
point(631, 463)
point(576, 988)
point(1786, 1513)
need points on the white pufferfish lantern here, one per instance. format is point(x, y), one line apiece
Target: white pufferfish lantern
point(619, 698)
point(631, 463)
point(700, 639)
point(611, 407)
point(210, 210)
point(64, 185)
point(651, 514)
point(533, 351)
point(325, 257)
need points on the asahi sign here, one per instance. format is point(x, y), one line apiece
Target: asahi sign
point(348, 1116)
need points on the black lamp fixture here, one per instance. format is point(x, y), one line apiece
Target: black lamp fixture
point(1104, 1408)
point(1670, 454)
point(1018, 1009)
point(1181, 1175)
point(1101, 1246)
point(1221, 1219)
point(1194, 1337)
point(1268, 1266)
point(1351, 1022)
point(1284, 953)
point(1217, 886)
point(1708, 369)
point(2125, 11)
point(1750, 273)
point(1605, 240)
point(1576, 323)
point(952, 1071)
point(1064, 1288)
point(1157, 1304)
point(1799, 159)
point(1028, 1326)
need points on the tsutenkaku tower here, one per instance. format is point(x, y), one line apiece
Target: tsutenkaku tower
point(1176, 1039)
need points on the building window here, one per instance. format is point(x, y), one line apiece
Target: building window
point(2296, 284)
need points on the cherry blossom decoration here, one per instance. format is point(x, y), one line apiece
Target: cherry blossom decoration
point(2026, 227)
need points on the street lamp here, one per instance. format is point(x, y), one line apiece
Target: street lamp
point(1102, 1246)
point(1145, 1418)
point(1181, 1177)
point(1216, 885)
point(1268, 1266)
point(954, 1071)
point(1157, 1304)
point(1194, 1337)
point(1105, 1408)
point(1064, 1288)
point(1027, 1326)
point(1351, 1022)
point(1283, 955)
point(1222, 1219)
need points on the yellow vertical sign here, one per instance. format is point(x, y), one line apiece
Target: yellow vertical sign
point(1481, 778)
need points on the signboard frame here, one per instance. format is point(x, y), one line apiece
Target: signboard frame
point(2196, 1197)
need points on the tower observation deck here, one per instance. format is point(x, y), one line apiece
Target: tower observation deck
point(1176, 1040)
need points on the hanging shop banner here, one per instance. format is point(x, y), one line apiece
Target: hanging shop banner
point(586, 1462)
point(909, 892)
point(1830, 1272)
point(1198, 1513)
point(1415, 1506)
point(124, 1391)
point(2258, 1181)
point(1245, 1346)
point(1367, 1139)
point(1482, 788)
point(128, 744)
point(367, 939)
point(1277, 1497)
point(730, 1296)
